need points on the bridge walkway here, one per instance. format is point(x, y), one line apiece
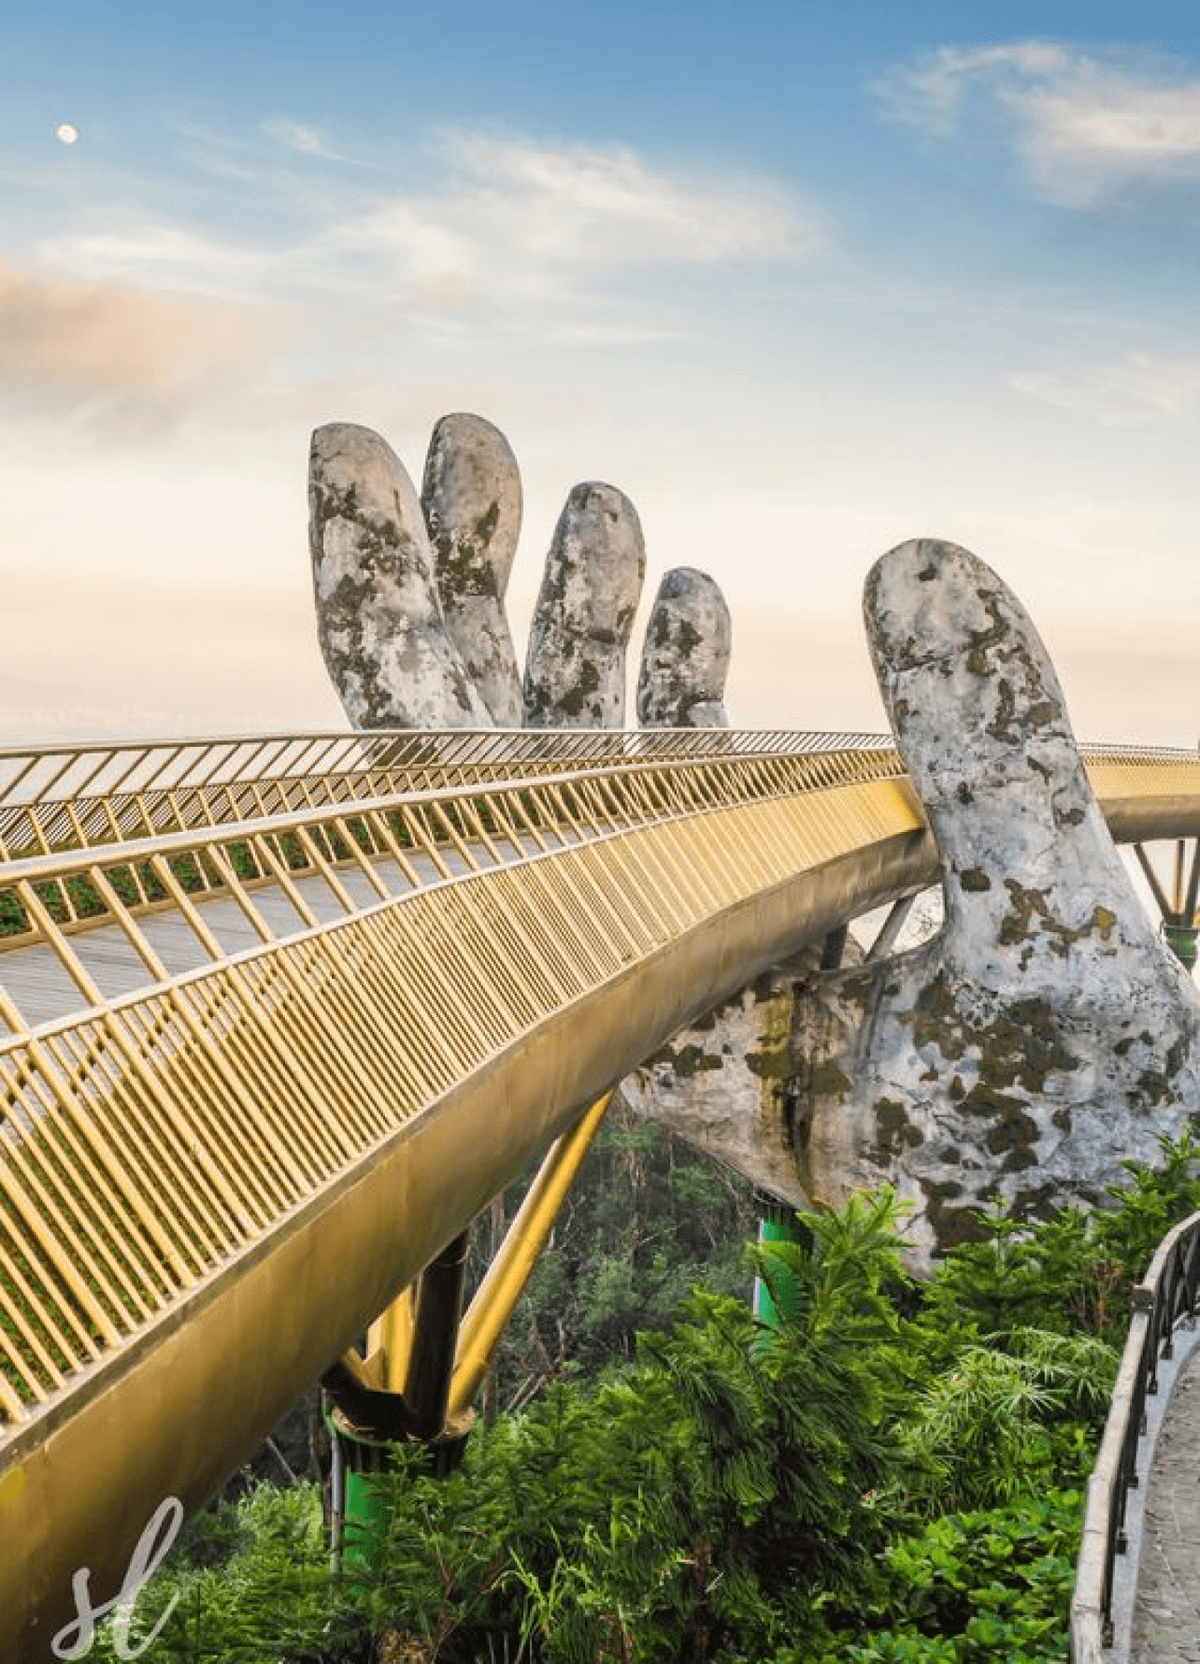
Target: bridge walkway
point(39, 984)
point(1166, 1609)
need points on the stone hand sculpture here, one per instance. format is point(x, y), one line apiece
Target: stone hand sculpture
point(1045, 1032)
point(1041, 1036)
point(410, 595)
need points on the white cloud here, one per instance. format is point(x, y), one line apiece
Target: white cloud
point(488, 223)
point(1132, 392)
point(303, 139)
point(534, 220)
point(126, 362)
point(159, 254)
point(1079, 121)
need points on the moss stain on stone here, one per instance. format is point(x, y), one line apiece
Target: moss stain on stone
point(950, 1225)
point(894, 1131)
point(826, 1080)
point(692, 1060)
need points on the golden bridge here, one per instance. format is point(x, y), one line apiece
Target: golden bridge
point(282, 1014)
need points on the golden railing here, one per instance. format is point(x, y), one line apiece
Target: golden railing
point(62, 797)
point(127, 1171)
point(332, 880)
point(68, 796)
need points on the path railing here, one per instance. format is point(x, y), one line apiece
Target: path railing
point(1167, 1294)
point(73, 795)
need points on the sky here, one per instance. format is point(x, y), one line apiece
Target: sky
point(803, 278)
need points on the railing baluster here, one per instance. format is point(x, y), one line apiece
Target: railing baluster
point(1156, 1310)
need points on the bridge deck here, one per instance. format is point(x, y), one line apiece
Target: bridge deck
point(37, 981)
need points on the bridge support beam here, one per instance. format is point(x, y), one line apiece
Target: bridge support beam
point(424, 1365)
point(368, 1417)
point(389, 1343)
point(1179, 909)
point(414, 1343)
point(510, 1271)
point(438, 1306)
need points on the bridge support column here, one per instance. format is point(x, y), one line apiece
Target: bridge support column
point(435, 1334)
point(395, 1397)
point(1181, 939)
point(1179, 909)
point(833, 948)
point(776, 1223)
point(497, 1296)
point(423, 1366)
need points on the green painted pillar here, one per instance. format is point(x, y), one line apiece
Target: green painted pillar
point(776, 1223)
point(358, 1502)
point(366, 1424)
point(360, 1513)
point(1181, 939)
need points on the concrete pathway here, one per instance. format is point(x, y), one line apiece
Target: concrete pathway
point(1166, 1616)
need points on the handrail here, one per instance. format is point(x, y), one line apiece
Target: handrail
point(56, 795)
point(393, 854)
point(63, 796)
point(1167, 1293)
point(211, 1184)
point(204, 848)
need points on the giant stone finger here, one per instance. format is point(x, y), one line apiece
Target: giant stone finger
point(575, 669)
point(378, 615)
point(472, 502)
point(685, 657)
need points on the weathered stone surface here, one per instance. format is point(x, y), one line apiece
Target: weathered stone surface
point(726, 1084)
point(685, 656)
point(1045, 1032)
point(472, 502)
point(575, 669)
point(720, 1084)
point(378, 616)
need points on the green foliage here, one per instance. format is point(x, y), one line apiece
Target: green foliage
point(250, 1587)
point(986, 1427)
point(646, 1221)
point(892, 1473)
point(974, 1587)
point(1074, 1270)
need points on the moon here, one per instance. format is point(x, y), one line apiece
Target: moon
point(66, 134)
